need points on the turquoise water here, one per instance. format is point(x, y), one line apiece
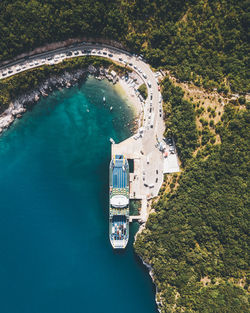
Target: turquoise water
point(55, 254)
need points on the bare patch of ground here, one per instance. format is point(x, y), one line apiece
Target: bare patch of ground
point(205, 281)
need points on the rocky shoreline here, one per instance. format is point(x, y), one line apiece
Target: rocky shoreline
point(150, 270)
point(151, 274)
point(66, 80)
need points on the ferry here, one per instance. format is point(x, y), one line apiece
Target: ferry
point(119, 202)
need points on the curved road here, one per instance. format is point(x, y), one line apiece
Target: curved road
point(152, 109)
point(148, 177)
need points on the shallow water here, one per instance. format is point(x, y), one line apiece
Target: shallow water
point(55, 254)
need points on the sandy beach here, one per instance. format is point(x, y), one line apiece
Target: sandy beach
point(131, 95)
point(128, 92)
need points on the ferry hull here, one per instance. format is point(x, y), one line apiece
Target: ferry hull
point(118, 243)
point(119, 202)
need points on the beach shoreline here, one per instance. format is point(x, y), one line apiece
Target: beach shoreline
point(19, 106)
point(132, 99)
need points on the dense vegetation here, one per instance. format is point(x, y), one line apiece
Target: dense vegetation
point(143, 90)
point(179, 120)
point(202, 41)
point(14, 86)
point(196, 241)
point(200, 229)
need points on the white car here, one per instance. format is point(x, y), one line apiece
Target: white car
point(171, 149)
point(144, 75)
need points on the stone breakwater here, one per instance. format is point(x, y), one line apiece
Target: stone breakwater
point(65, 80)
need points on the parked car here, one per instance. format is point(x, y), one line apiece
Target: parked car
point(169, 141)
point(171, 149)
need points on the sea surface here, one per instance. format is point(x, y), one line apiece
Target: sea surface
point(55, 254)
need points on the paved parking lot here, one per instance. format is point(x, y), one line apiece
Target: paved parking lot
point(170, 164)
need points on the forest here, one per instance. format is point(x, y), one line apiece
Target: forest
point(179, 120)
point(197, 238)
point(205, 42)
point(18, 85)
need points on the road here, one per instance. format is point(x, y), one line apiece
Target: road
point(53, 57)
point(148, 176)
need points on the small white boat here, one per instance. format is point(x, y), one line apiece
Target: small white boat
point(104, 99)
point(112, 140)
point(111, 108)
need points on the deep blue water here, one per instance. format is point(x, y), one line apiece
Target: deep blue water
point(55, 254)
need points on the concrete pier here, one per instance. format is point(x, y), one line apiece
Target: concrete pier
point(143, 148)
point(147, 178)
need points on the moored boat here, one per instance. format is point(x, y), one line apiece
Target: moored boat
point(119, 202)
